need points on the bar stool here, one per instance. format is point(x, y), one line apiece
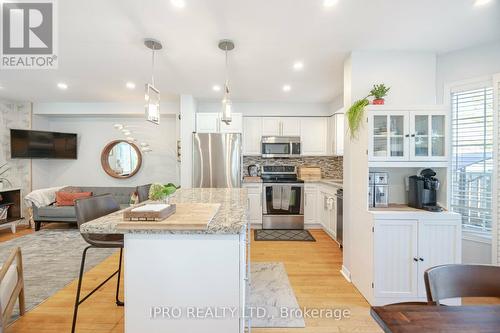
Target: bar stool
point(88, 209)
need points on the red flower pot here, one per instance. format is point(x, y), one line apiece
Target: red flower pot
point(378, 101)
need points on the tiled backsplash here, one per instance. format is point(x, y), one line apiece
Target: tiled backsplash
point(331, 166)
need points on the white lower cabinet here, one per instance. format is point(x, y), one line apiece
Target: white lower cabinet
point(405, 248)
point(254, 202)
point(311, 196)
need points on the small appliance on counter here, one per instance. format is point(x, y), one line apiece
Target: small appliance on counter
point(378, 189)
point(254, 170)
point(371, 183)
point(422, 191)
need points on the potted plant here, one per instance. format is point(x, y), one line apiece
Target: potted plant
point(160, 192)
point(357, 109)
point(379, 91)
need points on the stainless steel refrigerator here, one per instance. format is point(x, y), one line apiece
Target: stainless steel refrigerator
point(217, 160)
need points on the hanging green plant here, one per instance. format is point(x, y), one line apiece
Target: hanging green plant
point(355, 115)
point(357, 110)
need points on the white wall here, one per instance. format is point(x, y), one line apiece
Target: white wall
point(94, 132)
point(187, 127)
point(466, 64)
point(271, 108)
point(100, 109)
point(476, 252)
point(478, 62)
point(411, 75)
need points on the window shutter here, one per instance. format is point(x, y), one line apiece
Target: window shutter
point(472, 158)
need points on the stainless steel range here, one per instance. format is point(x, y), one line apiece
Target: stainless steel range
point(283, 198)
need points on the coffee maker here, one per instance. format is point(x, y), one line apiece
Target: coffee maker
point(423, 189)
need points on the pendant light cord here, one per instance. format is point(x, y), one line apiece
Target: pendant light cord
point(226, 85)
point(153, 67)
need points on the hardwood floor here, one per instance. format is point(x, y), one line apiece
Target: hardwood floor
point(313, 269)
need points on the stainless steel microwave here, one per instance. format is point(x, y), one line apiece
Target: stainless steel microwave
point(280, 146)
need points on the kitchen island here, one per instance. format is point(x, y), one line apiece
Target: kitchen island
point(186, 280)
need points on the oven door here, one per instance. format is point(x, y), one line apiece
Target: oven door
point(276, 149)
point(283, 206)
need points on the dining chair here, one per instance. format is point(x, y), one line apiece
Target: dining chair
point(451, 281)
point(88, 209)
point(11, 287)
point(143, 192)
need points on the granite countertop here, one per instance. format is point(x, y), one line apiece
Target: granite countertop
point(230, 219)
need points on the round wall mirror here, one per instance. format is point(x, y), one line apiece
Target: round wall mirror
point(121, 159)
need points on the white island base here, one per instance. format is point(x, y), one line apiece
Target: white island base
point(184, 282)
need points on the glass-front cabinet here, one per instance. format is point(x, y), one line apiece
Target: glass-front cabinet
point(388, 141)
point(407, 135)
point(428, 136)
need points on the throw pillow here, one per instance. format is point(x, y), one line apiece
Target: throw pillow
point(68, 199)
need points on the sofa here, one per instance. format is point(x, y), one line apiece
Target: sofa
point(53, 213)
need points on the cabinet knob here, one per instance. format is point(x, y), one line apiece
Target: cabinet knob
point(421, 259)
point(413, 135)
point(407, 135)
point(415, 259)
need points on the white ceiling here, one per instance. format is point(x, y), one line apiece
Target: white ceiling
point(100, 45)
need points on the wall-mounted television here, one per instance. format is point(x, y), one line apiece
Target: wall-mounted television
point(41, 144)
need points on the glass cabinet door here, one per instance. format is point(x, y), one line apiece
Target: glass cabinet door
point(438, 136)
point(388, 137)
point(421, 136)
point(428, 136)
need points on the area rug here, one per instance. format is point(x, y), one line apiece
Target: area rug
point(283, 235)
point(51, 260)
point(272, 301)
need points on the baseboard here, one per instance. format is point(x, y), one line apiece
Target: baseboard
point(345, 272)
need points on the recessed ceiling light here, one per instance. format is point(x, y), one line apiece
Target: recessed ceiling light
point(298, 65)
point(330, 3)
point(130, 85)
point(287, 88)
point(216, 88)
point(178, 3)
point(479, 3)
point(62, 86)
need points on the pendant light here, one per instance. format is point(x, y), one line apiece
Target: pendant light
point(226, 45)
point(152, 95)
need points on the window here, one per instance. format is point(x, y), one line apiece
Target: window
point(472, 157)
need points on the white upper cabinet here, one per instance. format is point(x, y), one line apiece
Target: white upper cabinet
point(388, 136)
point(271, 126)
point(313, 133)
point(335, 144)
point(235, 126)
point(428, 133)
point(209, 122)
point(252, 135)
point(290, 126)
point(417, 135)
point(281, 126)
